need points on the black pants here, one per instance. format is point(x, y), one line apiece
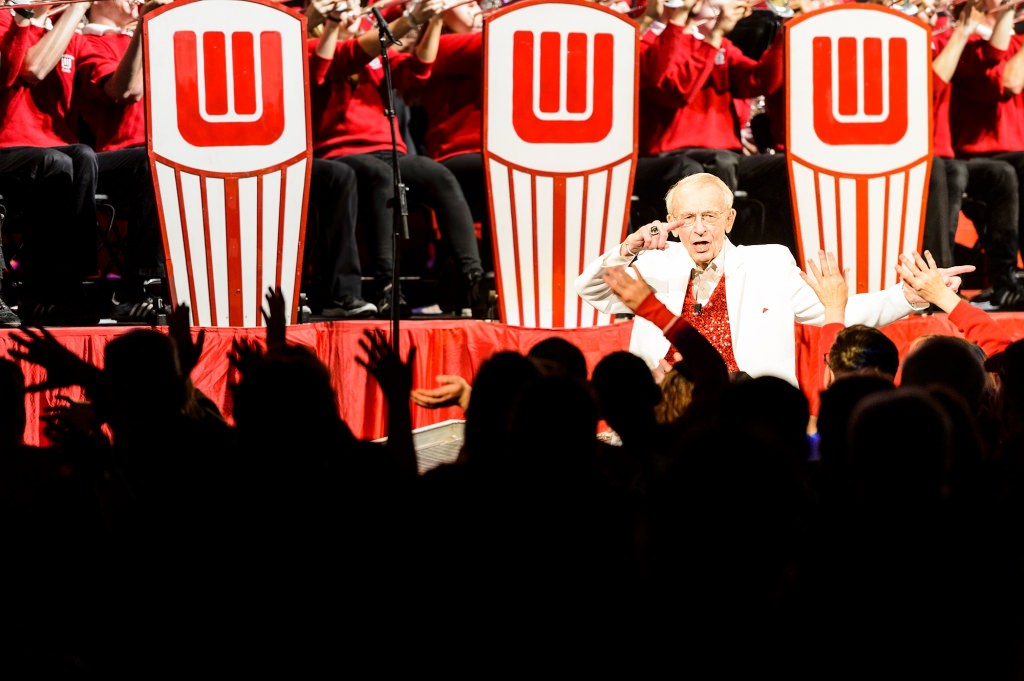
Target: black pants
point(55, 189)
point(765, 179)
point(429, 184)
point(125, 176)
point(946, 185)
point(992, 187)
point(468, 170)
point(1016, 161)
point(332, 250)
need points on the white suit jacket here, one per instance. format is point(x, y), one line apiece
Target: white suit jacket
point(765, 296)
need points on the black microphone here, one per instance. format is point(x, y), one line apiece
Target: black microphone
point(382, 25)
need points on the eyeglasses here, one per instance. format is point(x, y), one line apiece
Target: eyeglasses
point(708, 217)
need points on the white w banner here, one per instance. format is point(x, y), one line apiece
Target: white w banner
point(859, 135)
point(560, 130)
point(227, 110)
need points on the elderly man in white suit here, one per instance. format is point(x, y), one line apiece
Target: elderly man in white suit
point(750, 319)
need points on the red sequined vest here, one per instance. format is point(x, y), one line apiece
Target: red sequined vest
point(712, 320)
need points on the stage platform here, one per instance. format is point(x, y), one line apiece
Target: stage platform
point(451, 346)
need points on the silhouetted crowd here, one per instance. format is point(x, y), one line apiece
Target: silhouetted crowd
point(711, 530)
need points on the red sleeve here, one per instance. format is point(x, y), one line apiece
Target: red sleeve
point(459, 54)
point(939, 88)
point(349, 58)
point(979, 328)
point(772, 66)
point(391, 13)
point(15, 45)
point(408, 70)
point(96, 63)
point(744, 72)
point(654, 311)
point(676, 67)
point(647, 40)
point(980, 70)
point(656, 56)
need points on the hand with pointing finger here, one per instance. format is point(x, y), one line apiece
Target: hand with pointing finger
point(651, 237)
point(925, 277)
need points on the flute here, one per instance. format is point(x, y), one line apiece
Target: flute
point(485, 5)
point(46, 3)
point(1005, 5)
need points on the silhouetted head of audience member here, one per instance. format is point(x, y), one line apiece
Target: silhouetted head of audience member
point(771, 410)
point(1008, 365)
point(837, 403)
point(556, 355)
point(951, 361)
point(896, 466)
point(969, 452)
point(863, 348)
point(554, 426)
point(144, 377)
point(285, 396)
point(743, 483)
point(626, 392)
point(496, 387)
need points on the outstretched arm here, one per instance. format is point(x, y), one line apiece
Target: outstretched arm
point(926, 279)
point(710, 373)
point(924, 276)
point(41, 58)
point(127, 84)
point(950, 278)
point(63, 367)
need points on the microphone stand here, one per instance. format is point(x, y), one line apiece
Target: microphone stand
point(400, 210)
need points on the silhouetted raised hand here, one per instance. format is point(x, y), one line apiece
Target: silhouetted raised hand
point(274, 316)
point(244, 353)
point(63, 367)
point(180, 329)
point(384, 364)
point(395, 379)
